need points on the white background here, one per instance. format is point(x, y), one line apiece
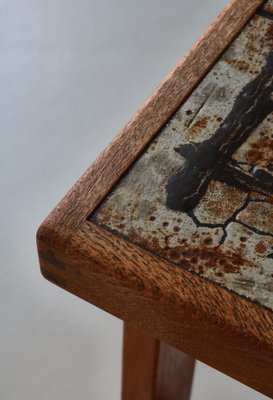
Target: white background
point(72, 73)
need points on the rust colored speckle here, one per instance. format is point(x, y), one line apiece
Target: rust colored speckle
point(201, 123)
point(242, 65)
point(175, 254)
point(269, 32)
point(260, 247)
point(194, 258)
point(222, 205)
point(198, 125)
point(262, 149)
point(207, 258)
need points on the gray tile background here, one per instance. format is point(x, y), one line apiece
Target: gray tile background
point(72, 73)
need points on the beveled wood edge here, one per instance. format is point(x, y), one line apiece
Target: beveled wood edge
point(203, 320)
point(68, 257)
point(119, 155)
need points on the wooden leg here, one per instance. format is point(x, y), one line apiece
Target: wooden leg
point(153, 370)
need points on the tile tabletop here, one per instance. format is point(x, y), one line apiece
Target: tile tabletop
point(201, 194)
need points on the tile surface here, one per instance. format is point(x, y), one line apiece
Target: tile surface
point(201, 195)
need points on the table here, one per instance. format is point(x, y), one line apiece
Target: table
point(171, 228)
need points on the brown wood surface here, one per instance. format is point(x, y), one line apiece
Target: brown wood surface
point(153, 370)
point(140, 355)
point(175, 371)
point(209, 323)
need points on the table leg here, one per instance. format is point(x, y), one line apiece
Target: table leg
point(153, 370)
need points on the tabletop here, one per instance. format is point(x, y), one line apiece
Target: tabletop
point(170, 229)
point(201, 194)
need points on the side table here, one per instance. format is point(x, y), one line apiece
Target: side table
point(171, 228)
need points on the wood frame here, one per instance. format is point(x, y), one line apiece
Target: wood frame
point(203, 320)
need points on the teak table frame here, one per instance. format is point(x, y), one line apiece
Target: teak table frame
point(173, 305)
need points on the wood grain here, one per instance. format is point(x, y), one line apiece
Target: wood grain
point(211, 324)
point(173, 305)
point(174, 374)
point(153, 370)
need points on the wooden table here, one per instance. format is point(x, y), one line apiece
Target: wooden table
point(171, 228)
